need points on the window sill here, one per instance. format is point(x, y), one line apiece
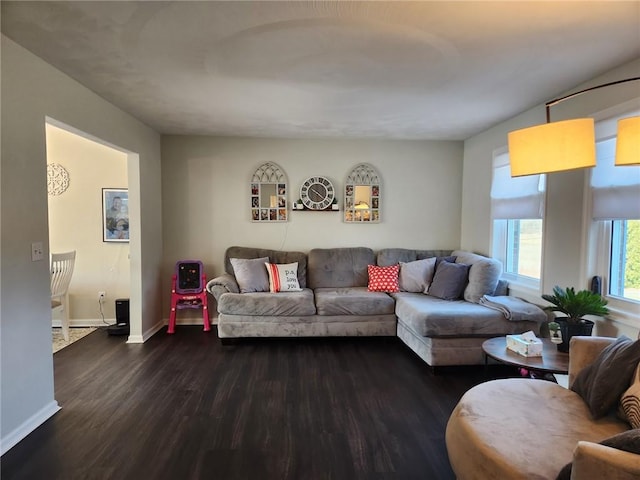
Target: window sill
point(624, 316)
point(524, 289)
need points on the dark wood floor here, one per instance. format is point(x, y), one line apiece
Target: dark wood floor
point(183, 406)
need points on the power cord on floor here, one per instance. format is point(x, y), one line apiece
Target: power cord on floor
point(102, 311)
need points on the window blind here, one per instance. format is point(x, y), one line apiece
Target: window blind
point(615, 190)
point(515, 198)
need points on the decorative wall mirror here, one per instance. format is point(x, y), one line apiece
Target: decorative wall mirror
point(269, 191)
point(362, 195)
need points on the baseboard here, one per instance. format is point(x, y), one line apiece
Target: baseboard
point(85, 322)
point(98, 322)
point(33, 422)
point(192, 321)
point(147, 334)
point(165, 321)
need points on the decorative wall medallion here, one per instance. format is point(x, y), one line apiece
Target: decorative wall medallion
point(57, 179)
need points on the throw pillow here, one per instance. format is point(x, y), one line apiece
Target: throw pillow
point(383, 279)
point(449, 280)
point(283, 277)
point(602, 383)
point(449, 258)
point(251, 274)
point(628, 441)
point(416, 276)
point(630, 401)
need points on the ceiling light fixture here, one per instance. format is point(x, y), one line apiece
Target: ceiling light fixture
point(569, 144)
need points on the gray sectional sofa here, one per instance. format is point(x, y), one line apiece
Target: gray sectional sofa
point(334, 301)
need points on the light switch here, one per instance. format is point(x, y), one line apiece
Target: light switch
point(37, 251)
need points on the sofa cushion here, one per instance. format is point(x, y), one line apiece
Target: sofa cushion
point(416, 276)
point(266, 303)
point(449, 281)
point(275, 256)
point(595, 383)
point(339, 267)
point(433, 317)
point(383, 279)
point(352, 301)
point(483, 274)
point(251, 274)
point(283, 277)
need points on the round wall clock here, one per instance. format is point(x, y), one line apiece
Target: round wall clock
point(317, 193)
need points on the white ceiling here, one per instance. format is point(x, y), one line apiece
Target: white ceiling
point(405, 70)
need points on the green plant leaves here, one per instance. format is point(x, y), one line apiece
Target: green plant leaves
point(574, 304)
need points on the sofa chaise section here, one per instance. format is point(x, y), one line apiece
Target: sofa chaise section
point(451, 332)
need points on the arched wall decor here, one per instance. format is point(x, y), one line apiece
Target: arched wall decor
point(362, 195)
point(57, 179)
point(269, 192)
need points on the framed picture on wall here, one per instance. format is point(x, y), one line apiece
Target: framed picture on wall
point(115, 215)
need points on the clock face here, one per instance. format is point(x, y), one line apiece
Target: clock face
point(317, 193)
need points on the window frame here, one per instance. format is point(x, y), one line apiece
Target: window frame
point(623, 310)
point(499, 247)
point(499, 242)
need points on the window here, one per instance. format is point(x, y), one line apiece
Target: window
point(524, 248)
point(624, 271)
point(516, 210)
point(615, 195)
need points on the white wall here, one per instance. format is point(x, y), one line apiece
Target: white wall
point(206, 201)
point(564, 245)
point(31, 91)
point(75, 219)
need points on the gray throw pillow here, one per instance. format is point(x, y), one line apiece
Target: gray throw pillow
point(602, 383)
point(449, 258)
point(449, 280)
point(628, 441)
point(416, 276)
point(251, 274)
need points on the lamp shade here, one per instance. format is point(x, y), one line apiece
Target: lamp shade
point(628, 141)
point(552, 147)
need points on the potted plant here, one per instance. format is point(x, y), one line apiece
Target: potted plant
point(574, 305)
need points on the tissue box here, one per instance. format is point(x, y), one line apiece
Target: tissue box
point(526, 346)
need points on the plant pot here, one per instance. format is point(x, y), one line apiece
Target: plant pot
point(568, 330)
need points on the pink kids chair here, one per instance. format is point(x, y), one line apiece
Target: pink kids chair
point(187, 291)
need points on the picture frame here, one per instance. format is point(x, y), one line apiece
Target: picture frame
point(115, 215)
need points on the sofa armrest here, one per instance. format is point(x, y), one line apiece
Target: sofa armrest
point(225, 283)
point(584, 351)
point(592, 460)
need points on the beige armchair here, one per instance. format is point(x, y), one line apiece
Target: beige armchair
point(522, 429)
point(592, 460)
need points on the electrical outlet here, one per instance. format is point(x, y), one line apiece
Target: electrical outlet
point(37, 251)
point(101, 295)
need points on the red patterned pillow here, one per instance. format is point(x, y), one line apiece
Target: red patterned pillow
point(383, 279)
